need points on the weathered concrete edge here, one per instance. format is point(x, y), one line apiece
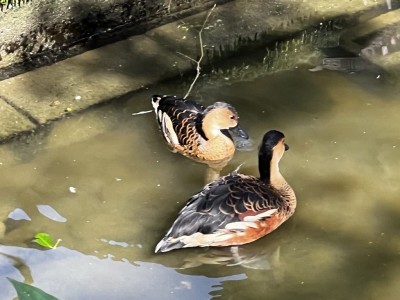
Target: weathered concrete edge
point(124, 83)
point(40, 97)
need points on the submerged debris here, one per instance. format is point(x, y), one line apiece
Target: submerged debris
point(345, 64)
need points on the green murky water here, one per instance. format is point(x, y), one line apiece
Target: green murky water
point(105, 182)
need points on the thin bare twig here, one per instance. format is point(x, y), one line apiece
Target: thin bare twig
point(238, 168)
point(169, 6)
point(187, 56)
point(198, 62)
point(142, 112)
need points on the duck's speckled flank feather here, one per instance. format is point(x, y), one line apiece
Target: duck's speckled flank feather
point(229, 199)
point(184, 116)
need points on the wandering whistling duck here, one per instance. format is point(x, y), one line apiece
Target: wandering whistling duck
point(236, 209)
point(198, 132)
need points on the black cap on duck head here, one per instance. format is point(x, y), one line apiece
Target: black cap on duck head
point(265, 153)
point(271, 139)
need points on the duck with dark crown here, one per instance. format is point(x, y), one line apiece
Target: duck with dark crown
point(200, 133)
point(236, 209)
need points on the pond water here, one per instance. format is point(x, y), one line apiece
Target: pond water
point(105, 183)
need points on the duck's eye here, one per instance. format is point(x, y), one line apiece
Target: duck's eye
point(232, 117)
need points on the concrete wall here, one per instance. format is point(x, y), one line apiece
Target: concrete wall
point(39, 32)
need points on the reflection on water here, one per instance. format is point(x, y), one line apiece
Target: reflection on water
point(244, 256)
point(105, 183)
point(108, 279)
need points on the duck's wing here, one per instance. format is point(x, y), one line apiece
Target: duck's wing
point(222, 211)
point(177, 118)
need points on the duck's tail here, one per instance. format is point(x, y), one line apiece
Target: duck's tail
point(166, 244)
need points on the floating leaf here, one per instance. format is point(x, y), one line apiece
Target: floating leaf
point(51, 213)
point(29, 292)
point(45, 240)
point(19, 214)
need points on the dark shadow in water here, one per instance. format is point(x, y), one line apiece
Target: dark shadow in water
point(20, 265)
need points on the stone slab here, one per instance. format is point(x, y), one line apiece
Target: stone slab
point(92, 77)
point(178, 37)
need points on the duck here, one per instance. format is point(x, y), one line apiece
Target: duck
point(236, 209)
point(200, 133)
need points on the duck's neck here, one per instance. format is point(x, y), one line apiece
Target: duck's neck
point(210, 128)
point(269, 170)
point(269, 173)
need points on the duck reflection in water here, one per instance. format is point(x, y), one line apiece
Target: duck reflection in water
point(246, 257)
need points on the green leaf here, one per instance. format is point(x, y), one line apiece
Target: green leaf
point(29, 292)
point(44, 239)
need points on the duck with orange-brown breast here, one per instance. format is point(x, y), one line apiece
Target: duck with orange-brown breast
point(236, 209)
point(198, 132)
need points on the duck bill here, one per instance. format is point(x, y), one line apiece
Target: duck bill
point(240, 138)
point(239, 132)
point(286, 147)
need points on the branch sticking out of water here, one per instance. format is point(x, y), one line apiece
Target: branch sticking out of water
point(198, 62)
point(186, 56)
point(141, 112)
point(238, 168)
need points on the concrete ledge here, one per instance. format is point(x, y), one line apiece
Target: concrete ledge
point(92, 77)
point(114, 70)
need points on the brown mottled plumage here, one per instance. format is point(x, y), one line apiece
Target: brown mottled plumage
point(197, 131)
point(236, 209)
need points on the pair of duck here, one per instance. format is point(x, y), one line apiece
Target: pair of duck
point(234, 209)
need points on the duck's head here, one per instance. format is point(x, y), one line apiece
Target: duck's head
point(273, 144)
point(222, 116)
point(271, 151)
